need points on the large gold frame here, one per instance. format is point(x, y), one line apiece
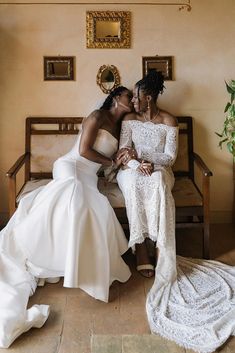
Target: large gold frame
point(122, 41)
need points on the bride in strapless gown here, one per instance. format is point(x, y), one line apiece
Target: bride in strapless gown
point(66, 228)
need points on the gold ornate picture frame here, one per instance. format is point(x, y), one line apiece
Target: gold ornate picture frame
point(159, 63)
point(108, 78)
point(58, 68)
point(108, 29)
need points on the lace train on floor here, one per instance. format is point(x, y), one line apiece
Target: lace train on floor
point(197, 310)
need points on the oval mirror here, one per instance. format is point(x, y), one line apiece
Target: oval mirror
point(108, 78)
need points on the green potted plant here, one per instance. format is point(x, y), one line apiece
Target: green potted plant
point(227, 135)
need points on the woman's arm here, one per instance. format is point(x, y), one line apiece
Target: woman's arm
point(90, 129)
point(126, 150)
point(168, 157)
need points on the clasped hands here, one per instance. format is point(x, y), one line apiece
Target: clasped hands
point(124, 155)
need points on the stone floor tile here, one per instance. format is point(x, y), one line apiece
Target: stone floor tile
point(77, 323)
point(79, 344)
point(132, 293)
point(106, 344)
point(114, 292)
point(28, 343)
point(83, 302)
point(107, 324)
point(54, 289)
point(148, 344)
point(132, 321)
point(35, 298)
point(148, 283)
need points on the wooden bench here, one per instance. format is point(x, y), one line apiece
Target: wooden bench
point(48, 138)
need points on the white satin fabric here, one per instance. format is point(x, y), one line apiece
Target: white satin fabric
point(66, 228)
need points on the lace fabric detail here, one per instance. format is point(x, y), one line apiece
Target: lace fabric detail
point(198, 310)
point(155, 143)
point(149, 201)
point(191, 301)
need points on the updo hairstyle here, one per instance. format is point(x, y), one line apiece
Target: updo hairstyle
point(152, 84)
point(114, 93)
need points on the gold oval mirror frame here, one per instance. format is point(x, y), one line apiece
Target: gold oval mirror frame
point(108, 78)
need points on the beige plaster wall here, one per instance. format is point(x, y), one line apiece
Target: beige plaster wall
point(201, 41)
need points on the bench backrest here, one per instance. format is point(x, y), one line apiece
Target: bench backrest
point(49, 138)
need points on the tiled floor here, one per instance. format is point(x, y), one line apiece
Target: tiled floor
point(80, 324)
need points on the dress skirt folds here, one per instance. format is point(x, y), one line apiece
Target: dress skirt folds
point(66, 228)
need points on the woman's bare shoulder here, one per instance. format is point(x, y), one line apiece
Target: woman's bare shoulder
point(129, 116)
point(96, 117)
point(169, 119)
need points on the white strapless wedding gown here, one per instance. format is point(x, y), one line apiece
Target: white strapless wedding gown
point(66, 228)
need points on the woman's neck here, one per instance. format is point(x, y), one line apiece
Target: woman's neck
point(151, 114)
point(115, 115)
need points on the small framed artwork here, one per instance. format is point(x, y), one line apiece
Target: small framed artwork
point(58, 68)
point(159, 63)
point(108, 29)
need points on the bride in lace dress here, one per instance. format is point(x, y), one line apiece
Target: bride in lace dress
point(191, 301)
point(66, 228)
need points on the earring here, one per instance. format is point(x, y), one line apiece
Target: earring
point(148, 106)
point(115, 104)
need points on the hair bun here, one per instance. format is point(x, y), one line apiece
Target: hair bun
point(152, 83)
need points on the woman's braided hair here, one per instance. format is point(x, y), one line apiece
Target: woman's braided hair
point(114, 93)
point(152, 84)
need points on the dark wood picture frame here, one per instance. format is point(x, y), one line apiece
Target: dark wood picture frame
point(58, 68)
point(159, 63)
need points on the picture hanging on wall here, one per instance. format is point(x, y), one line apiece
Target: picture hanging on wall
point(58, 68)
point(159, 63)
point(108, 29)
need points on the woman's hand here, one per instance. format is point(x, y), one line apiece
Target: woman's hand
point(146, 168)
point(124, 155)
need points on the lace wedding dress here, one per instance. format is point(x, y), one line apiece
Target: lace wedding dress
point(191, 301)
point(66, 228)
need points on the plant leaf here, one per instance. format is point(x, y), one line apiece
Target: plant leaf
point(218, 134)
point(230, 147)
point(221, 142)
point(227, 106)
point(229, 89)
point(232, 97)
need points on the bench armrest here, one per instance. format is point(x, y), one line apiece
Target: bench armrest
point(203, 167)
point(11, 174)
point(18, 164)
point(206, 173)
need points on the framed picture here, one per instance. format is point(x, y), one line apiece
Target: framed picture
point(159, 63)
point(108, 29)
point(58, 68)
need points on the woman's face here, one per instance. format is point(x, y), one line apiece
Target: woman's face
point(125, 100)
point(139, 100)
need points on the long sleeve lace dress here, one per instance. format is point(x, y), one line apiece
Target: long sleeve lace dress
point(191, 301)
